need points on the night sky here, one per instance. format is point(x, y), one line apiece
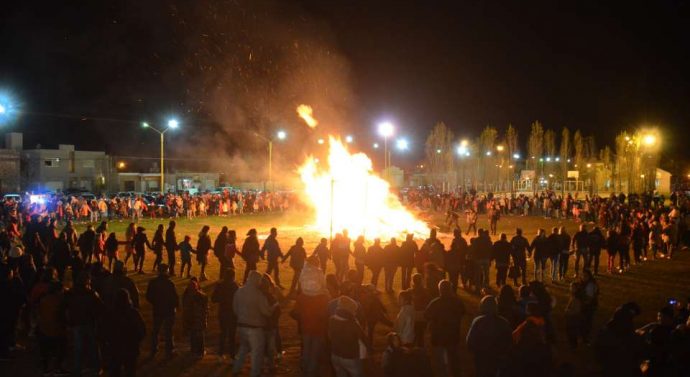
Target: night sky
point(86, 72)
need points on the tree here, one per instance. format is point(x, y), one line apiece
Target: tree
point(550, 143)
point(535, 144)
point(487, 142)
point(564, 154)
point(439, 153)
point(579, 149)
point(511, 146)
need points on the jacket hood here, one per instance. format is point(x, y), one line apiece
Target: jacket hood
point(254, 279)
point(488, 305)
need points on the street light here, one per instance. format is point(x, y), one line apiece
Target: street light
point(516, 156)
point(375, 145)
point(121, 165)
point(349, 139)
point(499, 148)
point(649, 140)
point(321, 141)
point(386, 129)
point(3, 110)
point(280, 135)
point(402, 144)
point(172, 124)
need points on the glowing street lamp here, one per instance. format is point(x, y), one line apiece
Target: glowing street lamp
point(499, 148)
point(516, 156)
point(349, 139)
point(172, 124)
point(121, 165)
point(375, 145)
point(649, 140)
point(402, 144)
point(3, 109)
point(281, 135)
point(488, 153)
point(321, 141)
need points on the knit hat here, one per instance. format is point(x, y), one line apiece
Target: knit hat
point(347, 304)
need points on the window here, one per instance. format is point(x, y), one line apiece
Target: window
point(88, 164)
point(51, 162)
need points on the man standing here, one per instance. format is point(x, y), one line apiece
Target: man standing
point(434, 249)
point(250, 253)
point(271, 250)
point(554, 252)
point(219, 246)
point(540, 250)
point(520, 248)
point(374, 260)
point(407, 252)
point(171, 246)
point(390, 263)
point(444, 315)
point(581, 245)
point(253, 311)
point(162, 296)
point(455, 259)
point(564, 243)
point(501, 256)
point(83, 308)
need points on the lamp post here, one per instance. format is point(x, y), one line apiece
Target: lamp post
point(280, 135)
point(172, 124)
point(386, 129)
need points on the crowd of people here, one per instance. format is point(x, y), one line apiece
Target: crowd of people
point(89, 208)
point(71, 292)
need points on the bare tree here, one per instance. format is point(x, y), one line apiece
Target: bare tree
point(439, 153)
point(511, 146)
point(564, 155)
point(487, 142)
point(535, 144)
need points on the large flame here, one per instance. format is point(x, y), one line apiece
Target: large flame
point(306, 113)
point(345, 194)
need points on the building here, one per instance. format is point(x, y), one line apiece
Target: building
point(62, 168)
point(177, 181)
point(9, 164)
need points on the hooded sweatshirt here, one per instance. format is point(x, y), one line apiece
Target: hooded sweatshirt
point(251, 305)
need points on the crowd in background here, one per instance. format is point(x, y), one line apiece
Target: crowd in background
point(96, 318)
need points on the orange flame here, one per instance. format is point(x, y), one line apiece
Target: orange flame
point(305, 112)
point(347, 195)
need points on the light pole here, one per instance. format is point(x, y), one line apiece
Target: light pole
point(281, 135)
point(386, 130)
point(172, 124)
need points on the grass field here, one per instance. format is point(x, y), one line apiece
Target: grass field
point(649, 284)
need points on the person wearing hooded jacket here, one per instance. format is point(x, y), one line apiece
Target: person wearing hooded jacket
point(223, 295)
point(444, 315)
point(253, 312)
point(489, 339)
point(297, 256)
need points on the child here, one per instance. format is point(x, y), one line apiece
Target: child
point(573, 314)
point(186, 252)
point(404, 324)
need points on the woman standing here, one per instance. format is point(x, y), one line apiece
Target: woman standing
point(157, 245)
point(203, 245)
point(124, 345)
